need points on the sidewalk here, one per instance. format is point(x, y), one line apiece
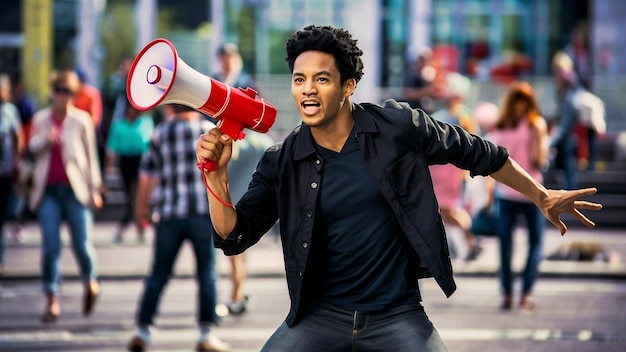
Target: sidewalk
point(131, 259)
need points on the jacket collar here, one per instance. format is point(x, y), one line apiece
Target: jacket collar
point(304, 144)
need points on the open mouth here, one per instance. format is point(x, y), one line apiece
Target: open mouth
point(310, 106)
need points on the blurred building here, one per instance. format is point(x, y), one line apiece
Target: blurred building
point(492, 41)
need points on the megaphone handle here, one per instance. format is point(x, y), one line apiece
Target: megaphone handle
point(211, 165)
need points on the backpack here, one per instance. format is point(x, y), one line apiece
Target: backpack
point(591, 112)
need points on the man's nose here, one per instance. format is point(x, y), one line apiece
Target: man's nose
point(309, 88)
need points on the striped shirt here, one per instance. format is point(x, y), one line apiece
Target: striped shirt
point(171, 158)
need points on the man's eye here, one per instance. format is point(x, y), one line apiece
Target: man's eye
point(297, 80)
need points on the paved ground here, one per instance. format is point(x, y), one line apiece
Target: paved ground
point(131, 259)
point(572, 315)
point(580, 304)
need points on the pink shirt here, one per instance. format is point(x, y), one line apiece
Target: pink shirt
point(447, 184)
point(518, 141)
point(56, 174)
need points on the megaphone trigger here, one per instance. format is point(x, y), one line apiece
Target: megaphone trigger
point(249, 92)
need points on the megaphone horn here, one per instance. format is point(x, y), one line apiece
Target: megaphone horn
point(158, 76)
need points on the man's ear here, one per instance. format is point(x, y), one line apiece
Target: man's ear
point(350, 86)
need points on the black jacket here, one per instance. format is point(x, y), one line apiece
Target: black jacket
point(398, 144)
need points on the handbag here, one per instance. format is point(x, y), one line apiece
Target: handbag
point(484, 223)
point(25, 177)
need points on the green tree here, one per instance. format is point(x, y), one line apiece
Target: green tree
point(118, 34)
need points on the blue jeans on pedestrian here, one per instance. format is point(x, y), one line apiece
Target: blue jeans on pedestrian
point(535, 224)
point(169, 237)
point(567, 161)
point(58, 204)
point(592, 149)
point(5, 197)
point(329, 328)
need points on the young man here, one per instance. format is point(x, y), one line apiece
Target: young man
point(359, 221)
point(167, 168)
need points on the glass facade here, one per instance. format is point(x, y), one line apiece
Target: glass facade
point(488, 39)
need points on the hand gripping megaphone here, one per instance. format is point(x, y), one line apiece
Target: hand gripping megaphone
point(158, 76)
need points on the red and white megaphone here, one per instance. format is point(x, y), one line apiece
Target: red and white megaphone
point(158, 76)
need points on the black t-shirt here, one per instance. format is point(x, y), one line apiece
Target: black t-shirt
point(360, 256)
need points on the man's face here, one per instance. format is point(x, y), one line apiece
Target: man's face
point(225, 62)
point(317, 89)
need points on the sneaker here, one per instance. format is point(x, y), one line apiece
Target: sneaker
point(527, 305)
point(136, 344)
point(118, 237)
point(212, 344)
point(237, 308)
point(506, 303)
point(473, 253)
point(17, 234)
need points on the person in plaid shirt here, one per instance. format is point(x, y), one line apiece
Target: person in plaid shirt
point(179, 212)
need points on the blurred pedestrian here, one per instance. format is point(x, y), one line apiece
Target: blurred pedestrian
point(478, 191)
point(246, 155)
point(449, 180)
point(232, 72)
point(25, 104)
point(563, 137)
point(11, 144)
point(359, 221)
point(67, 186)
point(230, 69)
point(180, 213)
point(115, 92)
point(89, 98)
point(578, 50)
point(524, 133)
point(128, 139)
point(420, 86)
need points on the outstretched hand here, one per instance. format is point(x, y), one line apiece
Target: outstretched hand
point(561, 201)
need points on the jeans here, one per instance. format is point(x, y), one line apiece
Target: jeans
point(329, 328)
point(535, 223)
point(566, 160)
point(129, 168)
point(592, 149)
point(5, 192)
point(58, 204)
point(169, 237)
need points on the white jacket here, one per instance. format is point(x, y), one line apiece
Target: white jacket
point(79, 154)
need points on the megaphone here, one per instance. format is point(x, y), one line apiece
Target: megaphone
point(158, 76)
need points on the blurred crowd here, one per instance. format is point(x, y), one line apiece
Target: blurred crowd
point(55, 159)
point(54, 163)
point(565, 144)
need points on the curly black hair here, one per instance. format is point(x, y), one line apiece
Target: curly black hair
point(335, 41)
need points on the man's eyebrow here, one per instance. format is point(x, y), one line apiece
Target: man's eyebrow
point(317, 74)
